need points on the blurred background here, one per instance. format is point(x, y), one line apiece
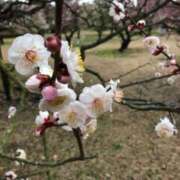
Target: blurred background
point(125, 141)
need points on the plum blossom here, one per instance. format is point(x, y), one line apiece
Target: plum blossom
point(43, 121)
point(40, 119)
point(73, 61)
point(113, 85)
point(34, 83)
point(28, 52)
point(165, 128)
point(153, 44)
point(11, 112)
point(117, 92)
point(141, 24)
point(75, 114)
point(10, 175)
point(56, 116)
point(97, 99)
point(21, 154)
point(117, 11)
point(63, 97)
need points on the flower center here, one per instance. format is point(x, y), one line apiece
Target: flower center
point(71, 117)
point(98, 105)
point(31, 56)
point(58, 101)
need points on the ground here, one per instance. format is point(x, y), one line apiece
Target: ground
point(125, 142)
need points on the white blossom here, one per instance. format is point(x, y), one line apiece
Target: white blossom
point(11, 112)
point(28, 52)
point(10, 175)
point(75, 114)
point(97, 99)
point(63, 98)
point(117, 11)
point(33, 84)
point(116, 91)
point(165, 128)
point(56, 115)
point(21, 154)
point(40, 119)
point(152, 42)
point(113, 85)
point(73, 61)
point(153, 45)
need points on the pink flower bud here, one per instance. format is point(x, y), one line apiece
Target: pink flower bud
point(53, 43)
point(49, 93)
point(173, 61)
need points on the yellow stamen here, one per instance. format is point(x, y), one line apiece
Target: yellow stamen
point(98, 105)
point(31, 56)
point(58, 101)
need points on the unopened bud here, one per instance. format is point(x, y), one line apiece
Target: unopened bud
point(53, 43)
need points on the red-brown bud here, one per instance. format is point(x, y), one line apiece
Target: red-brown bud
point(53, 43)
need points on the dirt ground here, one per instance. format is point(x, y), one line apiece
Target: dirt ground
point(125, 141)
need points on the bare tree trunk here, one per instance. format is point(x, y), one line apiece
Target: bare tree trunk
point(125, 41)
point(4, 78)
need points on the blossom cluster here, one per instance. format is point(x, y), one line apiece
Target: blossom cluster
point(60, 105)
point(165, 128)
point(118, 9)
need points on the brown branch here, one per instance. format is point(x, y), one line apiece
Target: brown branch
point(149, 105)
point(146, 81)
point(46, 164)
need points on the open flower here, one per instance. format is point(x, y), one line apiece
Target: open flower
point(97, 99)
point(63, 97)
point(75, 114)
point(165, 128)
point(11, 112)
point(117, 11)
point(35, 82)
point(21, 154)
point(59, 121)
point(73, 61)
point(28, 52)
point(140, 24)
point(10, 175)
point(117, 92)
point(43, 121)
point(153, 44)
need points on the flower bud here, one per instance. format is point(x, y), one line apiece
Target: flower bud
point(33, 84)
point(53, 43)
point(173, 61)
point(141, 24)
point(49, 93)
